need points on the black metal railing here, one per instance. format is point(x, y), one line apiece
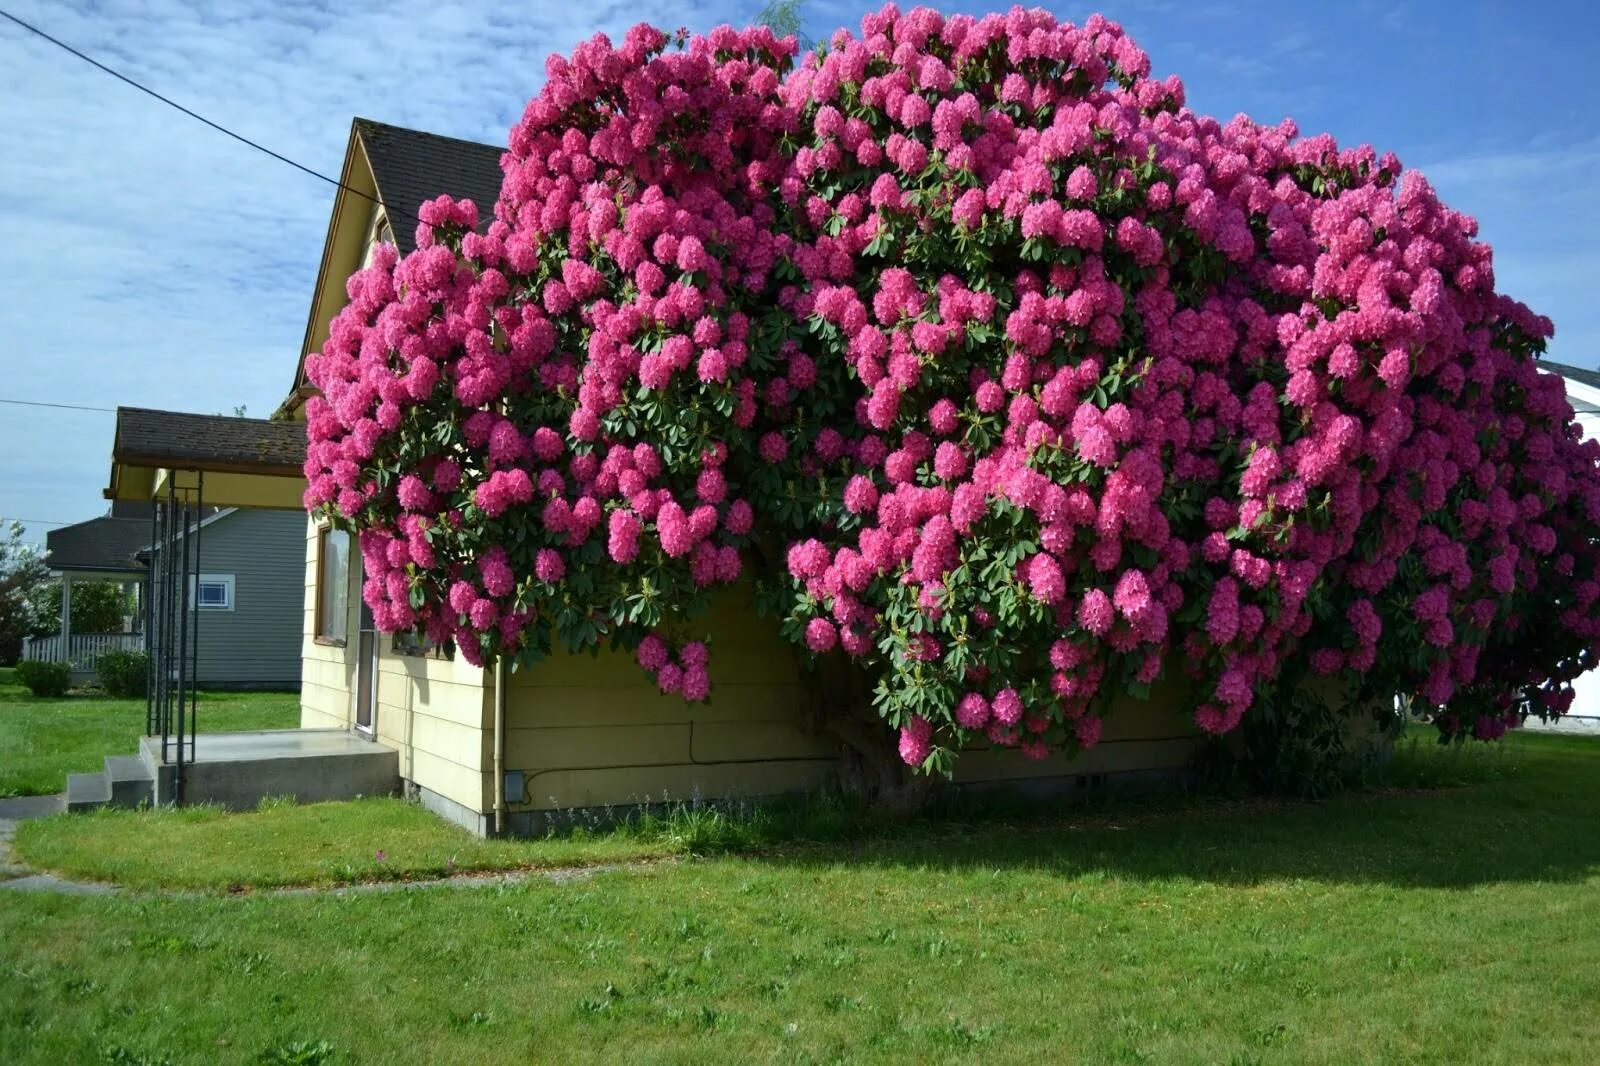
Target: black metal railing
point(172, 624)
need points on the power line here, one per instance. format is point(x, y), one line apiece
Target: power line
point(241, 138)
point(37, 522)
point(62, 406)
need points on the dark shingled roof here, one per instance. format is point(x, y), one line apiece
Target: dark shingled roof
point(187, 441)
point(412, 167)
point(99, 544)
point(1572, 373)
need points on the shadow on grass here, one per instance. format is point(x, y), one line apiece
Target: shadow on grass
point(1531, 818)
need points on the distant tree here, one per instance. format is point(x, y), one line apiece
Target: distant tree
point(22, 572)
point(782, 17)
point(97, 607)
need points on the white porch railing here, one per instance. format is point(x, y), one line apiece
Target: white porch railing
point(85, 650)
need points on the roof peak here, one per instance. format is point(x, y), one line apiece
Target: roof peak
point(388, 127)
point(188, 414)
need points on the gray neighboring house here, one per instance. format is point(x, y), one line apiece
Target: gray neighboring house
point(102, 549)
point(250, 595)
point(251, 588)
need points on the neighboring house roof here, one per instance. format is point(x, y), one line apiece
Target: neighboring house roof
point(1573, 373)
point(185, 441)
point(411, 167)
point(217, 515)
point(100, 544)
point(1583, 393)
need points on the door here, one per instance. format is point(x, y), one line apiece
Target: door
point(366, 671)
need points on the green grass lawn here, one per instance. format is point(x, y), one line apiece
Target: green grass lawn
point(44, 740)
point(1405, 924)
point(378, 839)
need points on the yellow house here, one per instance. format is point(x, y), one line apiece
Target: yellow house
point(576, 732)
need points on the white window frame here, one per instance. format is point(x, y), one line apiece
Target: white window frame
point(378, 232)
point(352, 588)
point(227, 583)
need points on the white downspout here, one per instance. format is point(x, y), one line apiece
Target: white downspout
point(499, 746)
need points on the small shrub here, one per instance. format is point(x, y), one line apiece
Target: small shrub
point(124, 674)
point(45, 679)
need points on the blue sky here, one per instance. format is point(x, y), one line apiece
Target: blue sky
point(147, 260)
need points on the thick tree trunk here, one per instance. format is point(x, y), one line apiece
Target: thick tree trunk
point(871, 767)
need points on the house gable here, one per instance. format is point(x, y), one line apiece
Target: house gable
point(389, 172)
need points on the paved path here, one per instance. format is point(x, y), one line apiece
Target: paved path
point(13, 811)
point(16, 876)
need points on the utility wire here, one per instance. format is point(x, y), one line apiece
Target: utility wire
point(36, 522)
point(62, 406)
point(36, 31)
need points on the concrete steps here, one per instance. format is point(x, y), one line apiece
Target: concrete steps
point(85, 792)
point(132, 781)
point(126, 781)
point(238, 770)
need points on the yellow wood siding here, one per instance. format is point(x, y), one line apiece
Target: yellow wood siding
point(327, 671)
point(435, 712)
point(1139, 735)
point(438, 714)
point(591, 731)
point(344, 245)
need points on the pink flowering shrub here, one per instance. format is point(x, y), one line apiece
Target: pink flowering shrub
point(1013, 380)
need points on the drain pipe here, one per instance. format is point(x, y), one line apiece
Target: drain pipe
point(500, 745)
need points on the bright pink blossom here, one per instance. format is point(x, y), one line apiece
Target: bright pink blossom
point(1220, 400)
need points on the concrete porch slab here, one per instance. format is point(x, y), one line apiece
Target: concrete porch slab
point(269, 744)
point(239, 770)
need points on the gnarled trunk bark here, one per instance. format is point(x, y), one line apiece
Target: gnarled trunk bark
point(871, 766)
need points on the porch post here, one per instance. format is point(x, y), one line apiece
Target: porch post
point(66, 617)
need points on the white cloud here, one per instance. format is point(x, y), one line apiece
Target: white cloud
point(1535, 204)
point(148, 260)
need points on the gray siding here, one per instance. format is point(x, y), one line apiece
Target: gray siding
point(257, 644)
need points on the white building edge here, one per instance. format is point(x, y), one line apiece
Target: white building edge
point(1583, 392)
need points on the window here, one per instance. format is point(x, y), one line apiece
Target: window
point(378, 232)
point(333, 585)
point(214, 592)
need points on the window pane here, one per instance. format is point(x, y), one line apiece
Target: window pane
point(333, 584)
point(212, 592)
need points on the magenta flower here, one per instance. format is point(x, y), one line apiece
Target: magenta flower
point(916, 741)
point(548, 565)
point(821, 635)
point(1006, 707)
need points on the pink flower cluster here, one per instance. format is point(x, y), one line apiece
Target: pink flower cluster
point(1045, 386)
point(685, 674)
